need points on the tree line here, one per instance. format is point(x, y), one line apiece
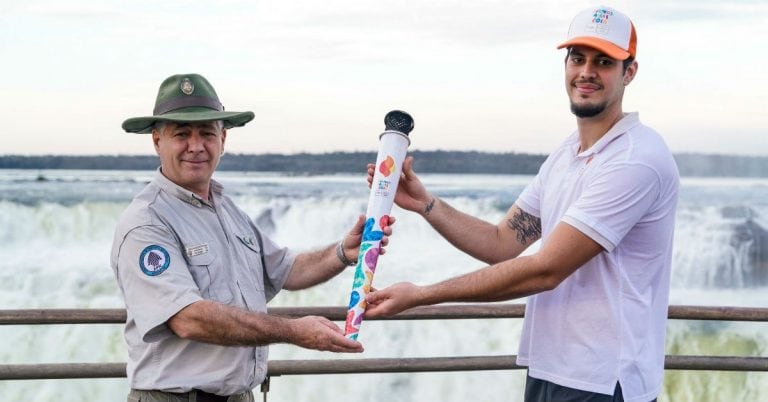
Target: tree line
point(468, 162)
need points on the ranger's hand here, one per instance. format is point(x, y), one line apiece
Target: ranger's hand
point(319, 333)
point(353, 238)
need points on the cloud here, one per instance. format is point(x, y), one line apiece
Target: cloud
point(331, 67)
point(64, 10)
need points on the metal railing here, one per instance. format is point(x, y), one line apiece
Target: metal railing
point(382, 365)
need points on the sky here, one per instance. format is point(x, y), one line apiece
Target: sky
point(320, 75)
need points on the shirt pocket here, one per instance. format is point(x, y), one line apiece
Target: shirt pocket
point(209, 277)
point(252, 283)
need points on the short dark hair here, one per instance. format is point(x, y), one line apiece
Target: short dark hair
point(627, 62)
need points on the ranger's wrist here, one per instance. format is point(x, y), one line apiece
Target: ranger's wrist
point(342, 256)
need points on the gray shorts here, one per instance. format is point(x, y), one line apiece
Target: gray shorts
point(537, 390)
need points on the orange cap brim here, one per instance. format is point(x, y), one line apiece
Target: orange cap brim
point(609, 48)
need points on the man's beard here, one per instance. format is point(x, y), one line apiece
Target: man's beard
point(588, 110)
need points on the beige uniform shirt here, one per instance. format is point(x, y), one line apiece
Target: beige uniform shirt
point(172, 249)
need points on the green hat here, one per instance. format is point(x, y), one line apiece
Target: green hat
point(186, 98)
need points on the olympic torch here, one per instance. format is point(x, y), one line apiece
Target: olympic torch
point(393, 144)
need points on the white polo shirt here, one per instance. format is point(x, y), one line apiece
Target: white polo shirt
point(171, 249)
point(607, 321)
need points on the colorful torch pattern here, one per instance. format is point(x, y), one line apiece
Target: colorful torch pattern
point(393, 144)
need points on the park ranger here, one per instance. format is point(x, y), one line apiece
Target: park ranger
point(195, 271)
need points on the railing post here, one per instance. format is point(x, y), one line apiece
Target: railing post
point(265, 387)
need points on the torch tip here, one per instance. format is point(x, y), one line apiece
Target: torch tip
point(398, 120)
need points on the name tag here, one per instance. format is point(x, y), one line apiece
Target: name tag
point(197, 250)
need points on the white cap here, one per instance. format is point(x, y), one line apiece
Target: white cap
point(605, 29)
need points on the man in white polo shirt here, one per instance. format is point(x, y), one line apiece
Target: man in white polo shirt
point(196, 273)
point(603, 205)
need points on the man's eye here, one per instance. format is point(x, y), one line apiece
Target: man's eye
point(605, 62)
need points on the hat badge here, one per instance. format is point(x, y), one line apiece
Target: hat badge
point(187, 86)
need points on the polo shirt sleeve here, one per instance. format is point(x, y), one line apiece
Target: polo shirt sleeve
point(279, 261)
point(613, 202)
point(530, 199)
point(156, 280)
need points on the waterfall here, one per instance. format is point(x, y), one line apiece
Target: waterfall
point(56, 234)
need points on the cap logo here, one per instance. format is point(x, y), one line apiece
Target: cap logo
point(187, 86)
point(600, 19)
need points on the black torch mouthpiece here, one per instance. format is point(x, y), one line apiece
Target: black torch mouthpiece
point(399, 121)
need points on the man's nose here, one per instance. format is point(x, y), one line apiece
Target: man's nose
point(587, 71)
point(195, 143)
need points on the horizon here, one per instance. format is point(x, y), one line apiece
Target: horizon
point(321, 77)
point(373, 151)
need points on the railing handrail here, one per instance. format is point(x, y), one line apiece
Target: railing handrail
point(445, 311)
point(369, 366)
point(362, 366)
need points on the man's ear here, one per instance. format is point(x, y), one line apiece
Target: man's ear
point(629, 75)
point(223, 139)
point(156, 139)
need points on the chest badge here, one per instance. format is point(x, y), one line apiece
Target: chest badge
point(247, 240)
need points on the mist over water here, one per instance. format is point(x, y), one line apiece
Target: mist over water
point(56, 231)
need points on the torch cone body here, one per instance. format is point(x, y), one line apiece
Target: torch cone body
point(389, 161)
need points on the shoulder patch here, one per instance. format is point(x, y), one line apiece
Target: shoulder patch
point(154, 260)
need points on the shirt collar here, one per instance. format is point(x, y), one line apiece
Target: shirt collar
point(622, 126)
point(185, 195)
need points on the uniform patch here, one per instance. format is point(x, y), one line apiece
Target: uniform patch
point(154, 260)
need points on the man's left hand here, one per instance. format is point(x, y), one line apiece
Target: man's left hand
point(354, 237)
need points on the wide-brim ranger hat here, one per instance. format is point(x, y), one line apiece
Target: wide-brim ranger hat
point(186, 98)
point(605, 29)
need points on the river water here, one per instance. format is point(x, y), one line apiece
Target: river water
point(56, 230)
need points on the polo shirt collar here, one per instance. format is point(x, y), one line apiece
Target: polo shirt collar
point(183, 194)
point(622, 126)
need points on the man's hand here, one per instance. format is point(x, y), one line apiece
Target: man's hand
point(313, 267)
point(411, 193)
point(313, 332)
point(219, 324)
point(353, 238)
point(392, 300)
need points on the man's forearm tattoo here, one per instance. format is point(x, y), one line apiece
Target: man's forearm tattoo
point(527, 226)
point(430, 205)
